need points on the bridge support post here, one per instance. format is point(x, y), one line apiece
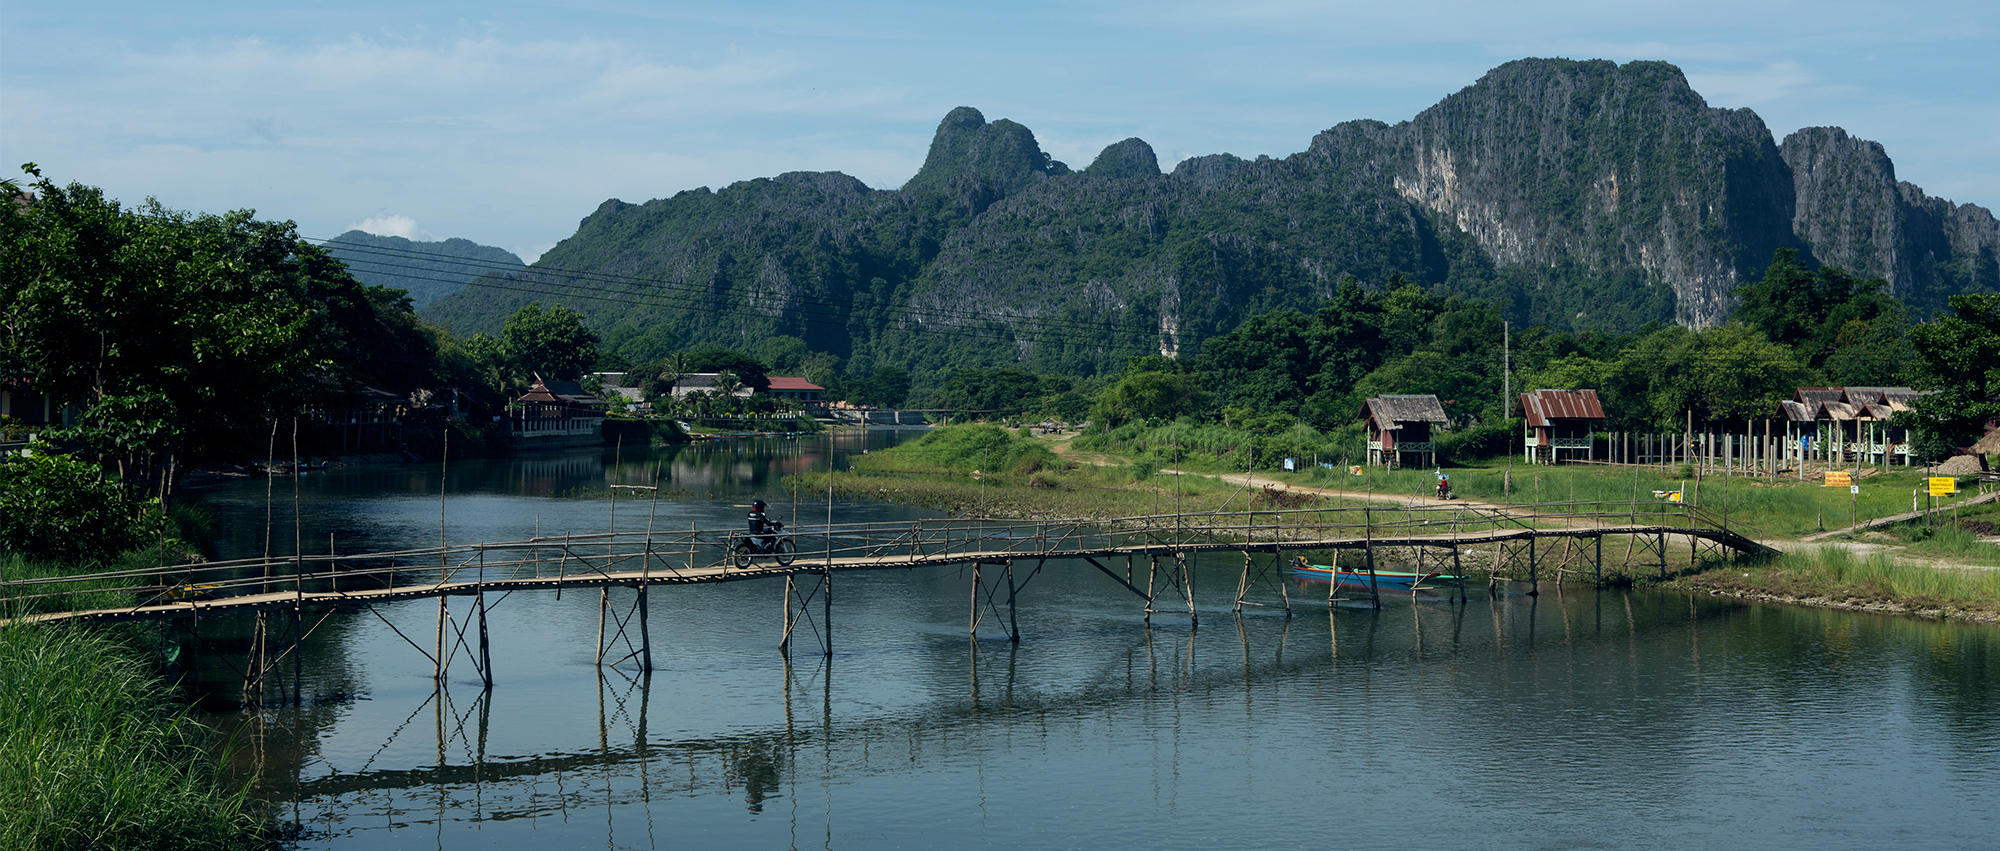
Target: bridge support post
point(603, 608)
point(1600, 561)
point(1187, 586)
point(485, 653)
point(1013, 624)
point(645, 633)
point(1374, 585)
point(983, 593)
point(439, 661)
point(253, 681)
point(1459, 570)
point(1242, 584)
point(1534, 576)
point(801, 598)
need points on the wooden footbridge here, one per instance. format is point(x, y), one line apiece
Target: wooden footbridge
point(1559, 541)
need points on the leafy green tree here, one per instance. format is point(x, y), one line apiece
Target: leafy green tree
point(60, 508)
point(885, 387)
point(1146, 395)
point(552, 343)
point(1958, 358)
point(998, 390)
point(1727, 373)
point(1819, 313)
point(181, 334)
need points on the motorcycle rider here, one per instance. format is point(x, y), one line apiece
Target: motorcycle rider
point(1444, 486)
point(762, 527)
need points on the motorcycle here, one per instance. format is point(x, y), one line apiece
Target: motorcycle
point(744, 546)
point(1444, 490)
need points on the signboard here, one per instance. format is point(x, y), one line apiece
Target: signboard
point(1854, 489)
point(1290, 465)
point(1943, 485)
point(1838, 479)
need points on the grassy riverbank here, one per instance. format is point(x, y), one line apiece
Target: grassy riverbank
point(987, 471)
point(93, 753)
point(1933, 568)
point(1837, 578)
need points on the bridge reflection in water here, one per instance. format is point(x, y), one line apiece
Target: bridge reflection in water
point(633, 784)
point(615, 784)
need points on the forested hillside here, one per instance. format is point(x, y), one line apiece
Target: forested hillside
point(1576, 195)
point(428, 270)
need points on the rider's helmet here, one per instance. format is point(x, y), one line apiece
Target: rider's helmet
point(756, 505)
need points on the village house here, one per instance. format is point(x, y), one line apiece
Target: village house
point(1558, 425)
point(1399, 429)
point(788, 388)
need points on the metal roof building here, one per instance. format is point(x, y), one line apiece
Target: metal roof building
point(1558, 424)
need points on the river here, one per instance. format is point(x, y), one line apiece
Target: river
point(1579, 719)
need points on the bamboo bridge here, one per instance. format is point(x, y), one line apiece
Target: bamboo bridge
point(1560, 540)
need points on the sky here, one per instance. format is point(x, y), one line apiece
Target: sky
point(507, 122)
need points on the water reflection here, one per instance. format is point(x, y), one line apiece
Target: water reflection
point(1505, 721)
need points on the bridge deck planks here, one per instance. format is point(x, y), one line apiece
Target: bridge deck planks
point(807, 564)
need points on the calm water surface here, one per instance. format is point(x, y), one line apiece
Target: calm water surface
point(1576, 720)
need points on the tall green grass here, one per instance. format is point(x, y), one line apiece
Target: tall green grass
point(1837, 574)
point(92, 754)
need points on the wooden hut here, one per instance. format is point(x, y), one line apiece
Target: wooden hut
point(1558, 424)
point(1399, 429)
point(1847, 424)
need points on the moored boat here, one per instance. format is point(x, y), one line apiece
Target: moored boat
point(1359, 579)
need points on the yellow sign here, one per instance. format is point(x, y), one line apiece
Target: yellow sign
point(1838, 479)
point(1943, 485)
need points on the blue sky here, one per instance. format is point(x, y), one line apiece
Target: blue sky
point(507, 122)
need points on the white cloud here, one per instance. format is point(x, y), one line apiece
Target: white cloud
point(1772, 82)
point(402, 226)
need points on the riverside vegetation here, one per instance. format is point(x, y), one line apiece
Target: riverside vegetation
point(1942, 569)
point(94, 753)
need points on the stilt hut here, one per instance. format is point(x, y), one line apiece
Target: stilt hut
point(1558, 424)
point(1847, 424)
point(1399, 429)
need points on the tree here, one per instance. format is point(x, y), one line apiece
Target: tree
point(1146, 395)
point(175, 333)
point(1816, 313)
point(886, 387)
point(1727, 373)
point(1958, 358)
point(56, 507)
point(552, 343)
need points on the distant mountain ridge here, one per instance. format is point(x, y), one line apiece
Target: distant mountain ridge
point(428, 270)
point(1575, 193)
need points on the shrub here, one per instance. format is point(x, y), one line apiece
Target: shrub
point(59, 508)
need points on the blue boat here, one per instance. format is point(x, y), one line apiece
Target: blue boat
point(1357, 579)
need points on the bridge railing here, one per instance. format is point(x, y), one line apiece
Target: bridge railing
point(699, 553)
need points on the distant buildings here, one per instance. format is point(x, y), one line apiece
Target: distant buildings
point(557, 413)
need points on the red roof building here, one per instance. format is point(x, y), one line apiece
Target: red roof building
point(795, 389)
point(1558, 423)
